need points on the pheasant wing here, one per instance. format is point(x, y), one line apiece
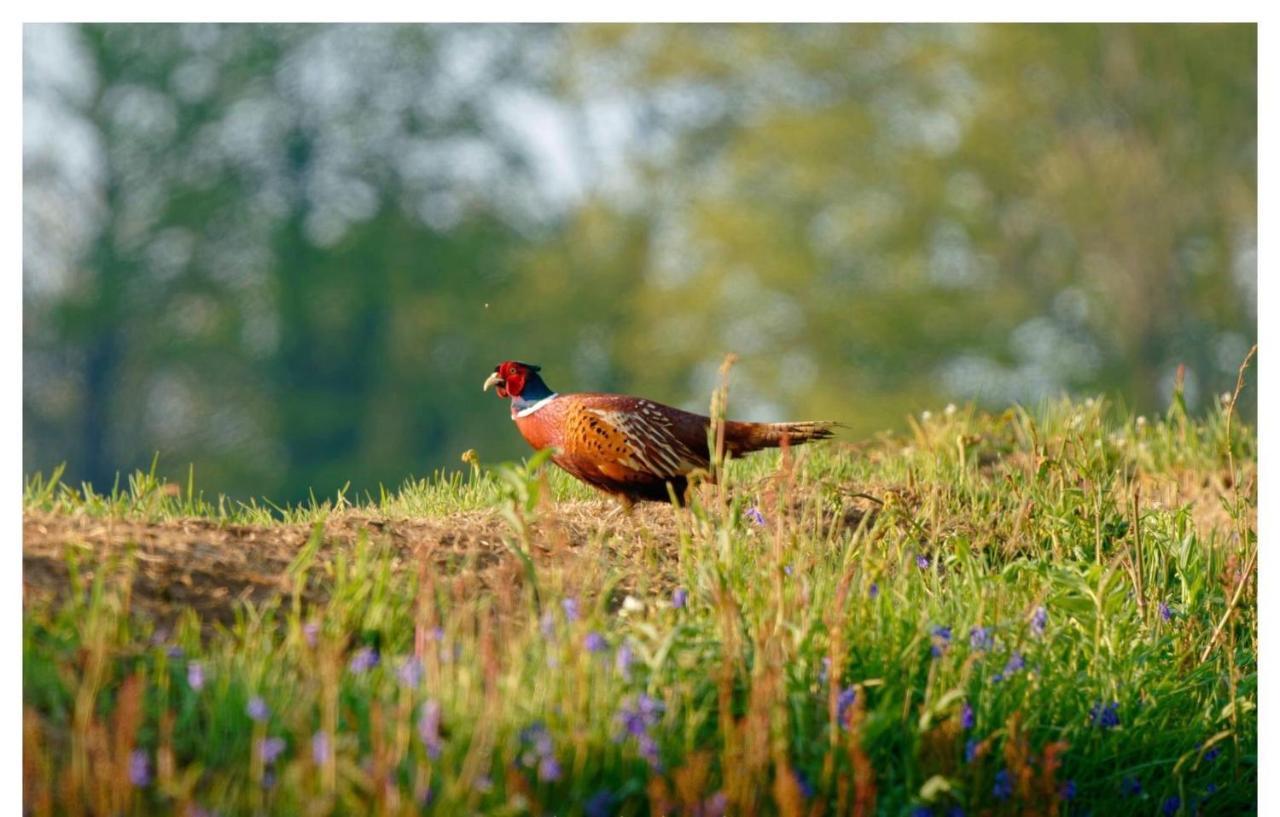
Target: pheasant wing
point(627, 440)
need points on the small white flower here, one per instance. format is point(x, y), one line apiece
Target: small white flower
point(1088, 403)
point(1225, 397)
point(631, 604)
point(950, 409)
point(1142, 421)
point(925, 415)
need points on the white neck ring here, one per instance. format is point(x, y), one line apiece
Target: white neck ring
point(525, 412)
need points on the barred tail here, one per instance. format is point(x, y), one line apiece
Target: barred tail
point(743, 438)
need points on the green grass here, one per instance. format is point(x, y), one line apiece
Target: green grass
point(807, 672)
point(144, 496)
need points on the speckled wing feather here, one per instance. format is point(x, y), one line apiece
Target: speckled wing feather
point(622, 443)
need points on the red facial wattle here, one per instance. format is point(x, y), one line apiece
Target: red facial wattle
point(513, 378)
point(510, 378)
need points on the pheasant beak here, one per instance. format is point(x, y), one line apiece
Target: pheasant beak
point(493, 380)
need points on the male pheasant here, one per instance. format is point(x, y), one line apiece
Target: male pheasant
point(625, 446)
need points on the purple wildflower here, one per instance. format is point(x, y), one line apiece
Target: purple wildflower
point(311, 632)
point(1107, 717)
point(921, 811)
point(429, 728)
point(874, 590)
point(258, 709)
point(1165, 612)
point(365, 659)
point(753, 513)
point(966, 717)
point(1171, 806)
point(715, 805)
point(845, 700)
point(533, 734)
point(635, 718)
point(570, 606)
point(539, 751)
point(649, 751)
point(638, 714)
point(599, 804)
point(423, 795)
point(980, 638)
point(139, 768)
point(1068, 790)
point(542, 743)
point(1012, 667)
point(270, 749)
point(549, 769)
point(970, 750)
point(547, 626)
point(1212, 754)
point(195, 675)
point(941, 639)
point(806, 788)
point(594, 642)
point(321, 747)
point(1210, 789)
point(1131, 787)
point(1038, 620)
point(622, 660)
point(409, 673)
point(1003, 788)
point(922, 562)
point(679, 598)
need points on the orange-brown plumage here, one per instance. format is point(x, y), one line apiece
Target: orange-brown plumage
point(629, 447)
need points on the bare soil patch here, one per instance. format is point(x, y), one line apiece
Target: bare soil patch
point(210, 566)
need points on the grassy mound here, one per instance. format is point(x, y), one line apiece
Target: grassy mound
point(1050, 614)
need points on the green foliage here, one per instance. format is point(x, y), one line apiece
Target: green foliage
point(805, 644)
point(293, 252)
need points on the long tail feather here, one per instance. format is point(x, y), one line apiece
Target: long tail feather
point(742, 438)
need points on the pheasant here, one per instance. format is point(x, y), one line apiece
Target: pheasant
point(628, 447)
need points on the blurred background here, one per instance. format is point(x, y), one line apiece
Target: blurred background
point(291, 254)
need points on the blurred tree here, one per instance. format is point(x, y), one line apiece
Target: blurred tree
point(272, 200)
point(289, 254)
point(883, 217)
point(125, 312)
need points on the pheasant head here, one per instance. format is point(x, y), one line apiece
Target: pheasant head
point(520, 382)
